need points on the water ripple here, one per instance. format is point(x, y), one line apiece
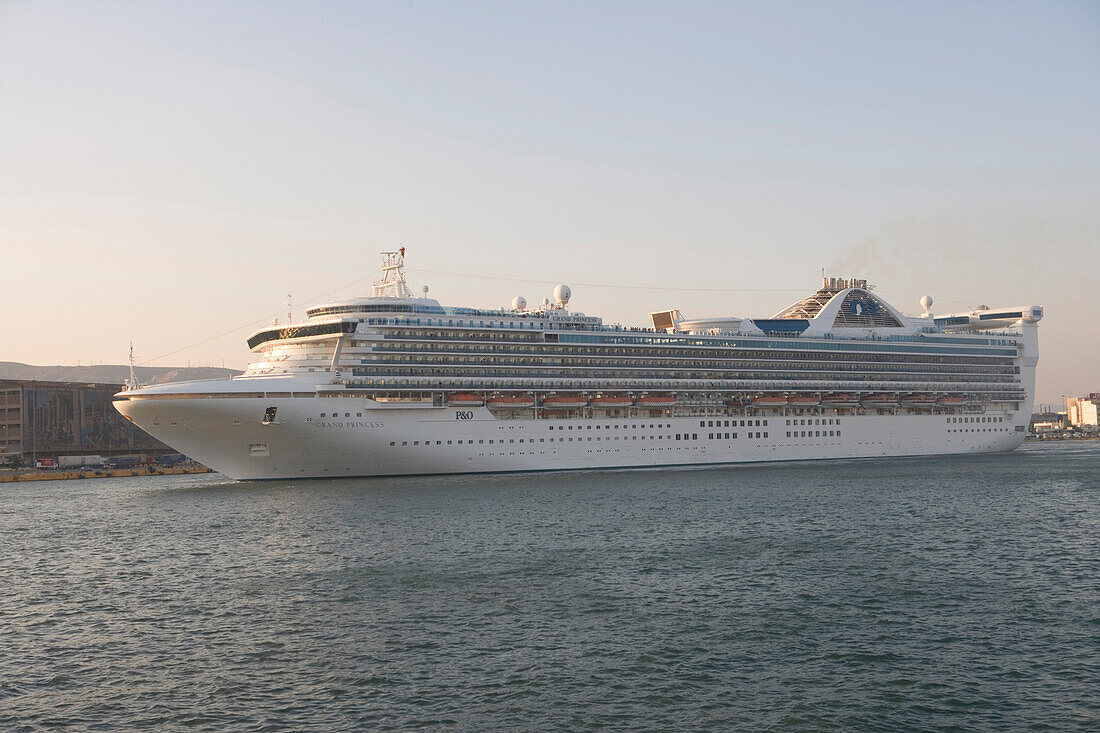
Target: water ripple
point(946, 594)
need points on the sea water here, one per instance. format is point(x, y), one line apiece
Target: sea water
point(908, 594)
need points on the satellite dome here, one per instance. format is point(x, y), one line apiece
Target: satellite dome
point(545, 302)
point(926, 302)
point(982, 308)
point(519, 303)
point(562, 293)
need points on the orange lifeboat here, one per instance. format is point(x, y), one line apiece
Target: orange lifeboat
point(465, 400)
point(804, 401)
point(737, 401)
point(564, 402)
point(951, 401)
point(511, 402)
point(918, 401)
point(652, 401)
point(840, 401)
point(773, 402)
point(611, 403)
point(879, 401)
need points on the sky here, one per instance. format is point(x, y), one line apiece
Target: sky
point(171, 172)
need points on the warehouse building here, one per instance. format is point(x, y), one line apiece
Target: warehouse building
point(53, 419)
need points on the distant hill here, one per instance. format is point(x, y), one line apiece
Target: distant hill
point(110, 373)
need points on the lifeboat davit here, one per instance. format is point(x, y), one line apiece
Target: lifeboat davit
point(840, 401)
point(511, 402)
point(563, 402)
point(951, 401)
point(611, 403)
point(804, 401)
point(651, 401)
point(918, 401)
point(769, 401)
point(879, 401)
point(465, 400)
point(738, 401)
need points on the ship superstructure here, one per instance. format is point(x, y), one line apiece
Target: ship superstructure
point(399, 384)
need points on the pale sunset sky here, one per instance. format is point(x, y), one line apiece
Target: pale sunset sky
point(169, 172)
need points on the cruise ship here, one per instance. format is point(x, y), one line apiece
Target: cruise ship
point(396, 383)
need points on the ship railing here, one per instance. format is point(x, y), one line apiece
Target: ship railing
point(618, 328)
point(997, 391)
point(674, 384)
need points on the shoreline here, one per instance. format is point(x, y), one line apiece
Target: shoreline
point(1061, 439)
point(61, 475)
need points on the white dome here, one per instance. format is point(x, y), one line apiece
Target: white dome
point(545, 302)
point(926, 302)
point(519, 303)
point(562, 293)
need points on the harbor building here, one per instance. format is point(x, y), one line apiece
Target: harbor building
point(1047, 421)
point(1083, 412)
point(39, 419)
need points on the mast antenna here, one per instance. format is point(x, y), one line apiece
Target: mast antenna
point(133, 383)
point(289, 311)
point(393, 277)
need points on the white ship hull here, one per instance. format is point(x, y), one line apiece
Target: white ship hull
point(361, 388)
point(365, 439)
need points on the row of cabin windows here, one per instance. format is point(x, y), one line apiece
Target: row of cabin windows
point(813, 433)
point(624, 426)
point(451, 323)
point(976, 419)
point(423, 370)
point(510, 441)
point(1005, 393)
point(676, 436)
point(682, 346)
point(536, 356)
point(726, 423)
point(458, 335)
point(499, 346)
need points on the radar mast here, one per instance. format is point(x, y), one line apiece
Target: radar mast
point(392, 284)
point(132, 383)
